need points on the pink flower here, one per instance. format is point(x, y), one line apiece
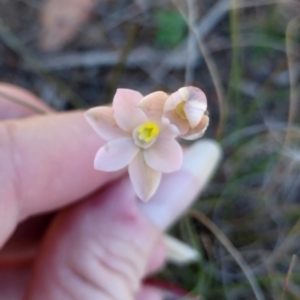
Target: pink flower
point(142, 141)
point(186, 109)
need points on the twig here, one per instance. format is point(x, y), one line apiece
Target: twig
point(205, 26)
point(286, 244)
point(118, 17)
point(137, 57)
point(232, 250)
point(212, 69)
point(141, 56)
point(119, 67)
point(256, 130)
point(144, 56)
point(292, 46)
point(283, 78)
point(191, 47)
point(288, 276)
point(216, 13)
point(16, 45)
point(212, 18)
point(246, 3)
point(31, 107)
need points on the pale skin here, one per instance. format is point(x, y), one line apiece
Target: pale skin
point(99, 241)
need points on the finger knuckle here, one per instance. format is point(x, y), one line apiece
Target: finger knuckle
point(103, 270)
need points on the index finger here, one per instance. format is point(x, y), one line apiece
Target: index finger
point(46, 163)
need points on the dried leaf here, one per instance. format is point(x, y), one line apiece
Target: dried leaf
point(61, 20)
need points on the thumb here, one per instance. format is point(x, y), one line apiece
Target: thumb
point(98, 249)
point(179, 190)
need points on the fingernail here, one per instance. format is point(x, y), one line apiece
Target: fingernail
point(178, 190)
point(201, 160)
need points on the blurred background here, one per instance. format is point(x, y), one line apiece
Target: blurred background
point(245, 56)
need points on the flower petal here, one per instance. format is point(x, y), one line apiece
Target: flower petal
point(174, 119)
point(165, 155)
point(103, 122)
point(144, 179)
point(173, 100)
point(198, 131)
point(194, 111)
point(153, 105)
point(128, 116)
point(168, 130)
point(196, 104)
point(115, 155)
point(171, 114)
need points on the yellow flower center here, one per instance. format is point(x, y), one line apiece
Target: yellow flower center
point(180, 110)
point(148, 131)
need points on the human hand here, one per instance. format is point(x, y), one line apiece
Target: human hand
point(98, 248)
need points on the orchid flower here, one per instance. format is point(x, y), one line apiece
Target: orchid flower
point(141, 133)
point(147, 145)
point(186, 109)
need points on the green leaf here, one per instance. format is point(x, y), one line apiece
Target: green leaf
point(170, 28)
